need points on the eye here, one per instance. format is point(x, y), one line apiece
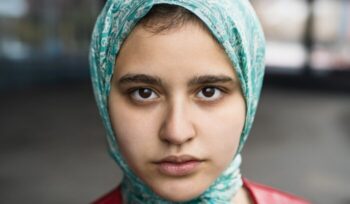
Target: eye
point(210, 93)
point(143, 94)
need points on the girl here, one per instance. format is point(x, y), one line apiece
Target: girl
point(177, 84)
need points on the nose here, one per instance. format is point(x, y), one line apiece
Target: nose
point(177, 127)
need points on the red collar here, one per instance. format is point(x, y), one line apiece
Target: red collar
point(259, 194)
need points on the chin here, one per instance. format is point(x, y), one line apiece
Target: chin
point(178, 191)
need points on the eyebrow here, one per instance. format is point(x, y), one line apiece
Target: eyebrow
point(140, 78)
point(153, 80)
point(210, 79)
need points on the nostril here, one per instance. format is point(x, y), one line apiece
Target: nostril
point(176, 133)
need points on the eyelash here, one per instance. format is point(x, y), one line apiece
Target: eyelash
point(132, 91)
point(218, 90)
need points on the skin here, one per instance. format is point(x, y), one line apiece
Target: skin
point(163, 103)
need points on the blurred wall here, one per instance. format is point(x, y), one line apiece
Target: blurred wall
point(43, 41)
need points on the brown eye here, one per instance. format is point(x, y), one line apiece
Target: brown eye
point(208, 91)
point(143, 94)
point(209, 94)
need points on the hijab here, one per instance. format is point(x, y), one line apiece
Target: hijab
point(235, 26)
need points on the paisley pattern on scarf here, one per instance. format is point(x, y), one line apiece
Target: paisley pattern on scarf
point(234, 25)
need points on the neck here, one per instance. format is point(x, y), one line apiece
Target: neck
point(242, 197)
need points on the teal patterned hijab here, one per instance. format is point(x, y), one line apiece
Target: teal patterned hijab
point(234, 25)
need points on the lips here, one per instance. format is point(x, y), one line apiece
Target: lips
point(178, 165)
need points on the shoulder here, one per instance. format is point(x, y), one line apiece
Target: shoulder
point(262, 194)
point(113, 197)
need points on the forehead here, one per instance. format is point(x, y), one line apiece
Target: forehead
point(188, 49)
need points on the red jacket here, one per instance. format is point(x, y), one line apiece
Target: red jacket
point(259, 194)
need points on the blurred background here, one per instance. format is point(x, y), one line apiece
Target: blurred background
point(52, 147)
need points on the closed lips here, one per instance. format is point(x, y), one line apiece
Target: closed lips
point(178, 165)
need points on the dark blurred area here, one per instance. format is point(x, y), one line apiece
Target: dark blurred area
point(44, 41)
point(52, 147)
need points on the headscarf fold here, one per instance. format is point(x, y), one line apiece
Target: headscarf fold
point(234, 25)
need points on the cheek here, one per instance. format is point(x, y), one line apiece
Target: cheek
point(133, 132)
point(222, 130)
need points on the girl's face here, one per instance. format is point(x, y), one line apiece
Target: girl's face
point(177, 109)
